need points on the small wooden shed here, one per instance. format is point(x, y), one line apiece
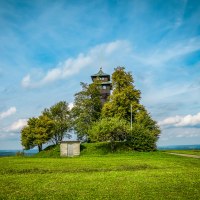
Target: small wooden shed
point(70, 148)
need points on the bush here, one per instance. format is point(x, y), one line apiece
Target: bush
point(110, 129)
point(20, 153)
point(141, 138)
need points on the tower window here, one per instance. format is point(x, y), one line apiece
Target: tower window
point(104, 87)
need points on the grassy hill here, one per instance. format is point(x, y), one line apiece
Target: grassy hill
point(99, 149)
point(52, 151)
point(87, 149)
point(130, 175)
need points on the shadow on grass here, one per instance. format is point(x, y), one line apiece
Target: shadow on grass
point(79, 170)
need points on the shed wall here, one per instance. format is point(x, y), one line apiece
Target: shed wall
point(76, 149)
point(64, 149)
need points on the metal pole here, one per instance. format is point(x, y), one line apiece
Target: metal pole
point(131, 117)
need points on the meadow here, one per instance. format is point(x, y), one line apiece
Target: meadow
point(131, 175)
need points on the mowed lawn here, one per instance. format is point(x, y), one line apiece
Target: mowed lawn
point(154, 175)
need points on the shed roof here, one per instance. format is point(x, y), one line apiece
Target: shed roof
point(70, 142)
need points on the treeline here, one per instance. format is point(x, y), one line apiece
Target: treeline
point(121, 118)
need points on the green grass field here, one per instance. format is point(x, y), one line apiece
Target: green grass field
point(153, 175)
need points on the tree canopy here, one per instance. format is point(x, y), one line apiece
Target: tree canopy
point(124, 104)
point(87, 108)
point(109, 129)
point(52, 125)
point(37, 132)
point(123, 96)
point(60, 115)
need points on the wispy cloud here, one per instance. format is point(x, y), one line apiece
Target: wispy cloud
point(7, 113)
point(181, 121)
point(180, 15)
point(16, 126)
point(158, 56)
point(162, 54)
point(74, 65)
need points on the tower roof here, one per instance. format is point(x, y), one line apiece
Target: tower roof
point(100, 74)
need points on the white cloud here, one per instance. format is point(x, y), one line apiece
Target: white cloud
point(7, 113)
point(181, 121)
point(179, 135)
point(74, 65)
point(17, 126)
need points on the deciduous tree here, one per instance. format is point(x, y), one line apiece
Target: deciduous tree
point(123, 96)
point(143, 118)
point(141, 139)
point(87, 108)
point(37, 132)
point(60, 115)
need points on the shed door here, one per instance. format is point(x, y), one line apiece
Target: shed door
point(70, 149)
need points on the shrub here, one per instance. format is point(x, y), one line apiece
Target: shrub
point(141, 138)
point(110, 129)
point(20, 153)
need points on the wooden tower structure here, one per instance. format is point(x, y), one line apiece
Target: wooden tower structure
point(105, 84)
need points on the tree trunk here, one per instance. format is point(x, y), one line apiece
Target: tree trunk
point(39, 147)
point(112, 144)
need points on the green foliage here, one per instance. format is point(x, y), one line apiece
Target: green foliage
point(19, 154)
point(60, 115)
point(87, 108)
point(141, 138)
point(143, 118)
point(145, 131)
point(37, 132)
point(92, 123)
point(27, 137)
point(52, 125)
point(109, 129)
point(123, 96)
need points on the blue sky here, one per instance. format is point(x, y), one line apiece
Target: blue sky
point(48, 47)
